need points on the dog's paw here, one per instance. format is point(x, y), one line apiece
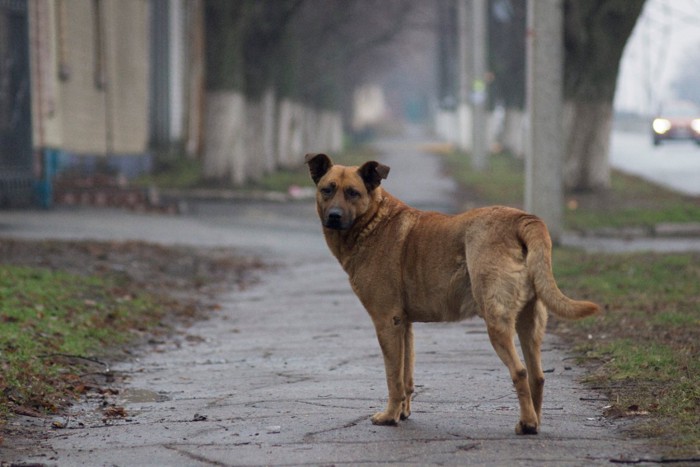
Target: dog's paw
point(406, 408)
point(523, 428)
point(382, 418)
point(405, 412)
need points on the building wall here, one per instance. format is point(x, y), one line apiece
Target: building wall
point(100, 94)
point(126, 91)
point(177, 76)
point(90, 72)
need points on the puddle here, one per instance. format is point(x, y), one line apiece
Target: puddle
point(139, 396)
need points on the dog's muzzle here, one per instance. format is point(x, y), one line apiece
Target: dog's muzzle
point(334, 219)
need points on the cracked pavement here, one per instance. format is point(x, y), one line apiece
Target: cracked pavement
point(288, 371)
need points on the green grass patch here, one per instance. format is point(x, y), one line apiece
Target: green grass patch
point(630, 201)
point(501, 183)
point(46, 315)
point(644, 351)
point(181, 172)
point(641, 361)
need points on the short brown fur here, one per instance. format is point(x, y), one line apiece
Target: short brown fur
point(407, 265)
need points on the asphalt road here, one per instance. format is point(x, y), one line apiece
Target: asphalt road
point(288, 372)
point(673, 164)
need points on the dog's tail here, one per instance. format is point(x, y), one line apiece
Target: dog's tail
point(534, 235)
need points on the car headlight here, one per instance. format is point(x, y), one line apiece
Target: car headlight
point(695, 125)
point(661, 125)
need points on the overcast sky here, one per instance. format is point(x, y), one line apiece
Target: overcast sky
point(664, 34)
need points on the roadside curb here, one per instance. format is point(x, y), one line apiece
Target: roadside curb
point(294, 193)
point(297, 193)
point(661, 230)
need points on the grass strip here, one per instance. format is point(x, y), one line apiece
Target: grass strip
point(46, 315)
point(629, 202)
point(644, 351)
point(68, 306)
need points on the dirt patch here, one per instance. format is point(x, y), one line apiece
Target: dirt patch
point(155, 267)
point(185, 280)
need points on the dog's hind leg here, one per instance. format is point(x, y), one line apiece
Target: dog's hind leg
point(502, 333)
point(409, 361)
point(392, 341)
point(531, 324)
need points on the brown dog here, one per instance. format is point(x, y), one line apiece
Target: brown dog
point(407, 265)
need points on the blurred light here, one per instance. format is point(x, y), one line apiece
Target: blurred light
point(502, 11)
point(695, 125)
point(661, 125)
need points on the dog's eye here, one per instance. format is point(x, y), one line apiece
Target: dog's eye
point(352, 193)
point(326, 190)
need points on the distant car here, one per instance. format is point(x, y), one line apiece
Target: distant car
point(677, 121)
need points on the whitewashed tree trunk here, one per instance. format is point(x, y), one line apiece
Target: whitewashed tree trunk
point(464, 127)
point(246, 139)
point(587, 127)
point(261, 136)
point(310, 136)
point(254, 151)
point(444, 125)
point(290, 145)
point(224, 141)
point(269, 133)
point(331, 131)
point(514, 134)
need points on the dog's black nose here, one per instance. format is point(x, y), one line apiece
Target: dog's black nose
point(334, 218)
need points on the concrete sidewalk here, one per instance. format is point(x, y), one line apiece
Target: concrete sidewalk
point(289, 371)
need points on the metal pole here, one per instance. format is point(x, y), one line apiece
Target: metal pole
point(479, 95)
point(544, 193)
point(463, 73)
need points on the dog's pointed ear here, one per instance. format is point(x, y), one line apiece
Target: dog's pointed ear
point(372, 173)
point(319, 164)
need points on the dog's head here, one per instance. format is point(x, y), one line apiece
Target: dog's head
point(344, 194)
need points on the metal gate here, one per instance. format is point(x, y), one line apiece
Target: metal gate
point(16, 174)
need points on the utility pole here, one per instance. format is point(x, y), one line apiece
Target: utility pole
point(479, 95)
point(464, 115)
point(544, 192)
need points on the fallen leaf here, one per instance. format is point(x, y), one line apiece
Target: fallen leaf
point(468, 447)
point(115, 411)
point(58, 424)
point(22, 410)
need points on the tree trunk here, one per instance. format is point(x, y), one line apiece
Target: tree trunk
point(587, 130)
point(224, 34)
point(595, 34)
point(514, 133)
point(224, 143)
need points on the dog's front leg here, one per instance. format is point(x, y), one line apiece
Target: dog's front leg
point(409, 361)
point(391, 337)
